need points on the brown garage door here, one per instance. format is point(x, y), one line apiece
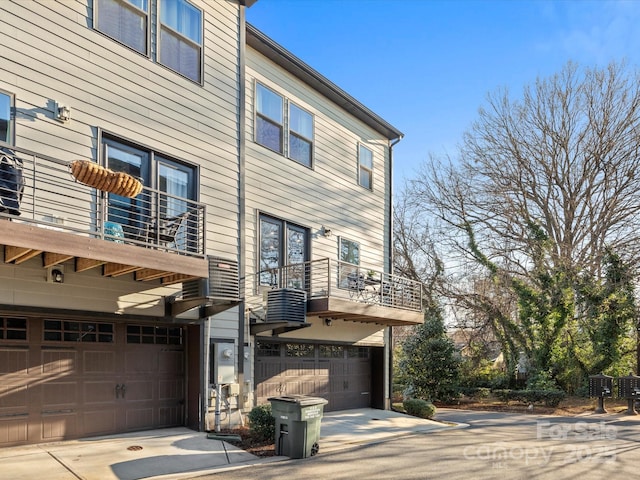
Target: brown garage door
point(63, 379)
point(341, 374)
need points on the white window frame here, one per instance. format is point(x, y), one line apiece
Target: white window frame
point(365, 168)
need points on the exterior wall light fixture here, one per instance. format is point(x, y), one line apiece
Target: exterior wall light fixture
point(326, 231)
point(63, 113)
point(55, 274)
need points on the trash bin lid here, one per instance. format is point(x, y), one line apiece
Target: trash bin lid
point(302, 400)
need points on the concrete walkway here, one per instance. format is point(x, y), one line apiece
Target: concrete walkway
point(177, 453)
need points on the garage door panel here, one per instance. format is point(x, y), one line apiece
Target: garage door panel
point(57, 362)
point(14, 396)
point(268, 389)
point(296, 369)
point(59, 394)
point(100, 421)
point(141, 360)
point(170, 390)
point(339, 374)
point(56, 385)
point(268, 368)
point(170, 415)
point(13, 430)
point(138, 418)
point(171, 362)
point(59, 425)
point(13, 362)
point(138, 391)
point(99, 392)
point(99, 362)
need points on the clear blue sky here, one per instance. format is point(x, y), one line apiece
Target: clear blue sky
point(426, 66)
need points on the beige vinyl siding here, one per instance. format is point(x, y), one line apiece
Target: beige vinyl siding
point(329, 193)
point(52, 54)
point(364, 334)
point(86, 291)
point(109, 86)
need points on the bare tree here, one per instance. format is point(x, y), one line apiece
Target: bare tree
point(563, 157)
point(545, 184)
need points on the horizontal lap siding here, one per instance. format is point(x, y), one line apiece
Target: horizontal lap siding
point(327, 195)
point(51, 53)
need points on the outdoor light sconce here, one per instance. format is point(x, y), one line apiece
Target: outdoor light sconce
point(55, 275)
point(63, 113)
point(328, 322)
point(326, 231)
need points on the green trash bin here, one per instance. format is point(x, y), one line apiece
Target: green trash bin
point(298, 420)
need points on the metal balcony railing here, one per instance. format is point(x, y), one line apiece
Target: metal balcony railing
point(332, 278)
point(50, 197)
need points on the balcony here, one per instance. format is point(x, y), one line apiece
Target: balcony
point(154, 236)
point(338, 290)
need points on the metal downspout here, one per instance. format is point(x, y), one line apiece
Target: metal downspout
point(389, 340)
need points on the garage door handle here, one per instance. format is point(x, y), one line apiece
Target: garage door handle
point(120, 389)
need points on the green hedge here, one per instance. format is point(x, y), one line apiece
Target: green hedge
point(262, 423)
point(419, 408)
point(475, 392)
point(549, 398)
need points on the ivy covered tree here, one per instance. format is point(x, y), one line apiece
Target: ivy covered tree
point(429, 363)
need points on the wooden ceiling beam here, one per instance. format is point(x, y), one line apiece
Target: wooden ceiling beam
point(51, 259)
point(83, 264)
point(19, 254)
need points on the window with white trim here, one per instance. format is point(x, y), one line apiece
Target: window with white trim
point(365, 167)
point(6, 122)
point(126, 21)
point(180, 45)
point(290, 135)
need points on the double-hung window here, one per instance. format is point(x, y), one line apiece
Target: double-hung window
point(275, 131)
point(126, 21)
point(181, 38)
point(6, 122)
point(177, 39)
point(282, 244)
point(269, 119)
point(365, 167)
point(300, 135)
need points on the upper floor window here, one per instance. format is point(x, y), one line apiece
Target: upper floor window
point(365, 167)
point(126, 21)
point(269, 119)
point(300, 135)
point(181, 38)
point(271, 126)
point(6, 124)
point(177, 37)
